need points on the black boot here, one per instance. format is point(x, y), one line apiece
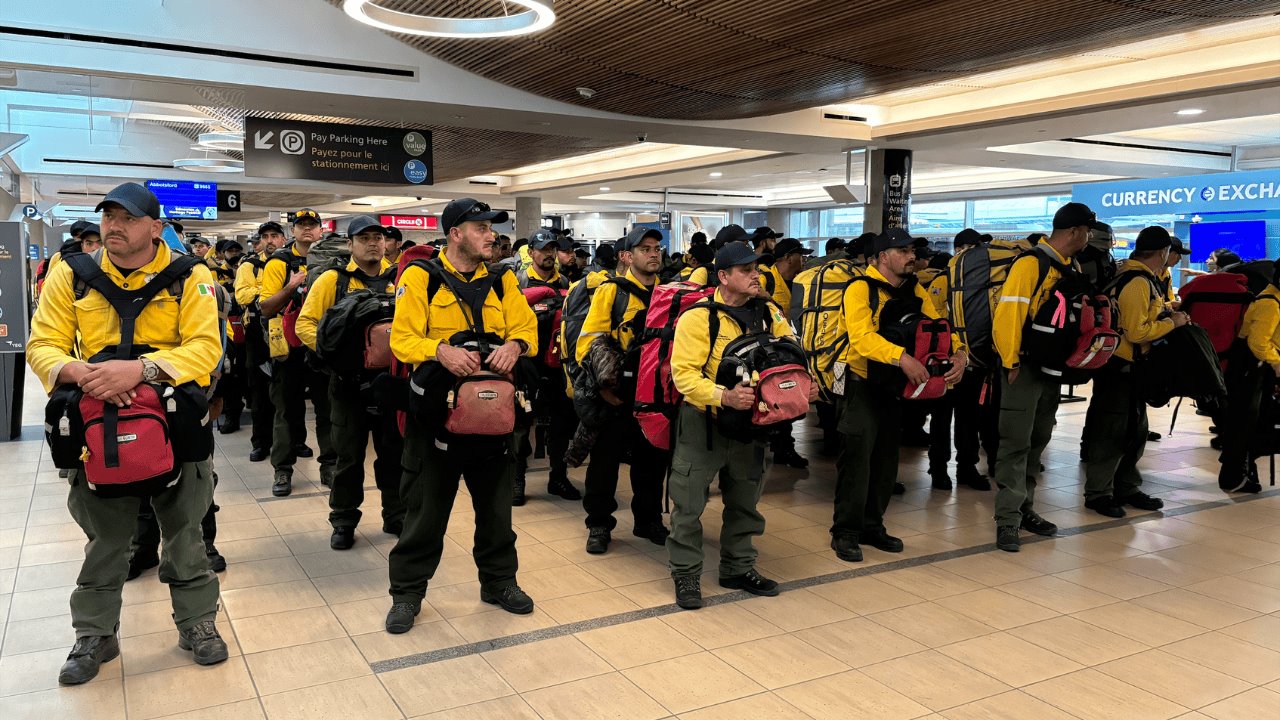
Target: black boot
point(86, 658)
point(517, 492)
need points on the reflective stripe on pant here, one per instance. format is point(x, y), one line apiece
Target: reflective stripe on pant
point(1115, 433)
point(867, 466)
point(109, 525)
point(1028, 409)
point(739, 466)
point(353, 424)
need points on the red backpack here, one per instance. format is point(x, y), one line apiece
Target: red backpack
point(903, 323)
point(548, 306)
point(1073, 333)
point(657, 400)
point(1217, 302)
point(399, 369)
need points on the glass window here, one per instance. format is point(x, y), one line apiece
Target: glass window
point(1019, 216)
point(752, 219)
point(819, 225)
point(937, 220)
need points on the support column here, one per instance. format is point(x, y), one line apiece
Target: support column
point(780, 220)
point(528, 215)
point(888, 190)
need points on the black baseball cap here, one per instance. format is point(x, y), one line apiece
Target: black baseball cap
point(765, 232)
point(270, 225)
point(1153, 237)
point(861, 245)
point(890, 239)
point(544, 238)
point(581, 252)
point(788, 246)
point(361, 223)
point(393, 234)
point(606, 255)
point(201, 240)
point(306, 214)
point(969, 236)
point(735, 253)
point(730, 233)
point(91, 229)
point(1178, 246)
point(637, 236)
point(135, 199)
point(78, 227)
point(703, 253)
point(469, 210)
point(225, 245)
point(698, 238)
point(1073, 215)
point(835, 244)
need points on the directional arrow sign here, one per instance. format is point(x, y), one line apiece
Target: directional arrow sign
point(262, 140)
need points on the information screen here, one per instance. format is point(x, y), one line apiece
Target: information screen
point(184, 199)
point(1246, 238)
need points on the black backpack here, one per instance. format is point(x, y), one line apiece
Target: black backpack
point(748, 357)
point(341, 337)
point(1182, 364)
point(901, 321)
point(1072, 335)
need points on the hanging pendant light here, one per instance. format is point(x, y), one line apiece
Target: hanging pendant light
point(538, 15)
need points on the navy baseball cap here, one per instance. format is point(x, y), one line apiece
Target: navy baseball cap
point(543, 238)
point(1075, 214)
point(393, 234)
point(735, 253)
point(890, 239)
point(1153, 238)
point(730, 233)
point(787, 246)
point(362, 223)
point(135, 199)
point(270, 225)
point(469, 210)
point(91, 229)
point(637, 236)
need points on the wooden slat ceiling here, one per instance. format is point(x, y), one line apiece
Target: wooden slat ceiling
point(723, 59)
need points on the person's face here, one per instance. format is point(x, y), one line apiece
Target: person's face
point(473, 239)
point(306, 232)
point(565, 257)
point(90, 242)
point(391, 249)
point(124, 234)
point(369, 246)
point(544, 259)
point(581, 261)
point(1173, 259)
point(898, 261)
point(647, 256)
point(741, 279)
point(1079, 238)
point(199, 248)
point(232, 256)
point(790, 265)
point(271, 241)
point(504, 248)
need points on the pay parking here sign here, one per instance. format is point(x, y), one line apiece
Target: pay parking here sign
point(343, 153)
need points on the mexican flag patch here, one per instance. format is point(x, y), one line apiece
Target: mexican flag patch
point(204, 289)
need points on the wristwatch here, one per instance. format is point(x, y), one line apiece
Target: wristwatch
point(150, 371)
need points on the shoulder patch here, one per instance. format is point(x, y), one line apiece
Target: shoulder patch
point(204, 289)
point(400, 291)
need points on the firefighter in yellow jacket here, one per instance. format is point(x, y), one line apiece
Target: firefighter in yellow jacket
point(775, 283)
point(1028, 395)
point(1115, 428)
point(1253, 367)
point(65, 333)
point(354, 414)
point(257, 356)
point(433, 462)
point(871, 417)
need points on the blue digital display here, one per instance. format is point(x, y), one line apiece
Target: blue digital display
point(184, 199)
point(1246, 238)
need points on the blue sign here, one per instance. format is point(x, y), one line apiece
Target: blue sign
point(30, 211)
point(33, 251)
point(185, 199)
point(415, 171)
point(1222, 192)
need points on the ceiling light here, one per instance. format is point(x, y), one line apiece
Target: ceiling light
point(538, 16)
point(1190, 111)
point(221, 140)
point(717, 174)
point(213, 165)
point(604, 189)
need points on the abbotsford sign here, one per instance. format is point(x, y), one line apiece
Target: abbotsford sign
point(1223, 192)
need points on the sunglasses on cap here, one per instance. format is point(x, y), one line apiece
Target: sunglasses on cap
point(306, 215)
point(478, 209)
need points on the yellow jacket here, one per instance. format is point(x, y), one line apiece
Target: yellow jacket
point(697, 275)
point(247, 282)
point(1019, 300)
point(781, 292)
point(275, 274)
point(865, 344)
point(694, 363)
point(599, 320)
point(185, 335)
point(1140, 306)
point(1261, 327)
point(1166, 282)
point(420, 326)
point(323, 294)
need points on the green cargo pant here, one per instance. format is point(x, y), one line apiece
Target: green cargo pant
point(1115, 433)
point(352, 426)
point(291, 381)
point(867, 467)
point(1028, 409)
point(693, 468)
point(109, 524)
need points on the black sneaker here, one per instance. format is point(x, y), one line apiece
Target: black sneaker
point(1105, 506)
point(1215, 443)
point(283, 486)
point(563, 489)
point(1007, 538)
point(327, 472)
point(847, 548)
point(400, 617)
point(217, 563)
point(940, 481)
point(64, 473)
point(790, 458)
point(655, 532)
point(204, 642)
point(883, 541)
point(140, 563)
point(303, 451)
point(1141, 500)
point(86, 658)
point(229, 427)
point(1153, 437)
point(969, 476)
point(598, 540)
point(688, 591)
point(518, 498)
point(510, 598)
point(1033, 523)
point(259, 454)
point(342, 538)
point(753, 582)
point(899, 488)
point(395, 527)
point(1253, 486)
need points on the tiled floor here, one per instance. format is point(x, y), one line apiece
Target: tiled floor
point(1175, 615)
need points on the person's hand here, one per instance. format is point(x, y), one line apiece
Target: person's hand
point(73, 372)
point(1013, 375)
point(813, 392)
point(503, 360)
point(1176, 305)
point(458, 361)
point(913, 368)
point(739, 397)
point(113, 381)
point(1180, 319)
point(297, 278)
point(959, 362)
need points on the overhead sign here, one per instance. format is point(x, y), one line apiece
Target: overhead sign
point(186, 200)
point(228, 201)
point(330, 151)
point(411, 222)
point(1220, 192)
point(33, 251)
point(30, 211)
point(13, 289)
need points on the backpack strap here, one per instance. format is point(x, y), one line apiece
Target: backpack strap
point(1117, 285)
point(873, 297)
point(371, 282)
point(471, 295)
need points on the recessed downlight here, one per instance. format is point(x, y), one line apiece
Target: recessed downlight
point(1190, 111)
point(604, 188)
point(717, 174)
